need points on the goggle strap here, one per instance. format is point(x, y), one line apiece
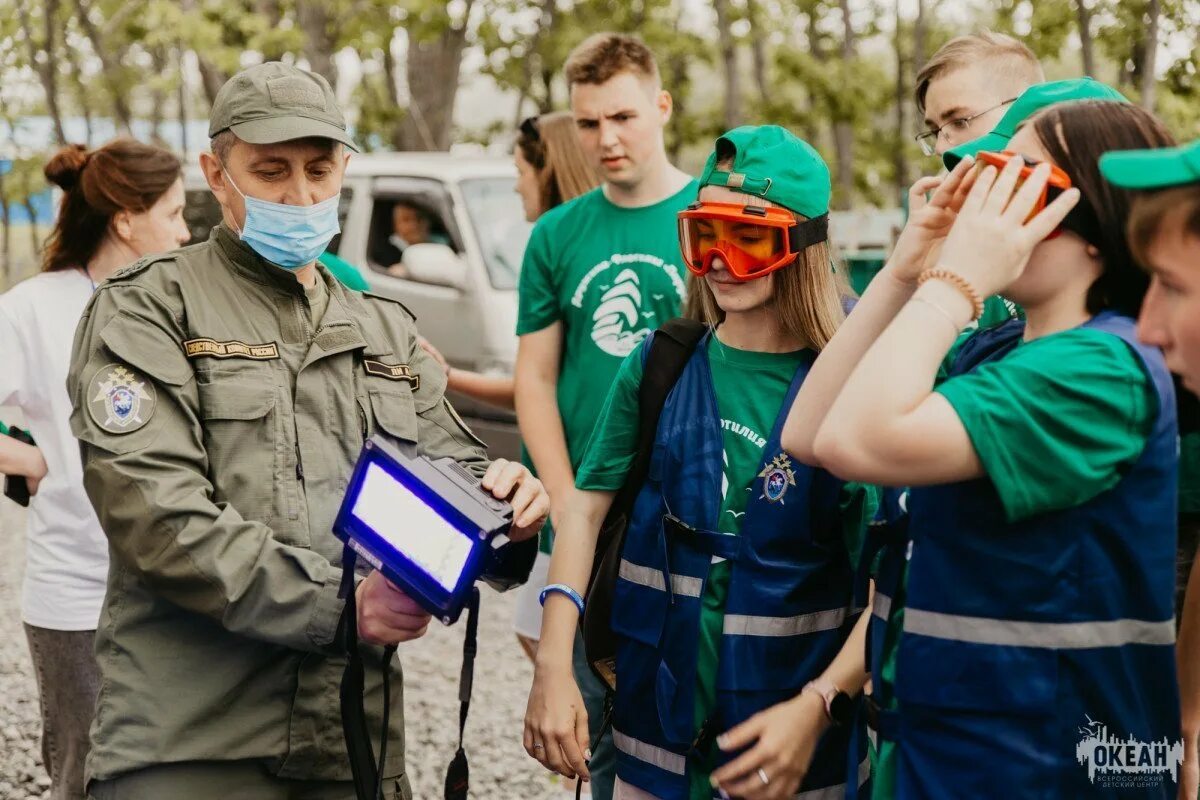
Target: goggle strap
point(805, 234)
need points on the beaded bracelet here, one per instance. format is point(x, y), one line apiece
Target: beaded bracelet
point(565, 591)
point(958, 282)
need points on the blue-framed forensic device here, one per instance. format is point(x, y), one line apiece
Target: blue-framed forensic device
point(428, 526)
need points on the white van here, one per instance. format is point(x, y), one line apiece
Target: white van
point(463, 287)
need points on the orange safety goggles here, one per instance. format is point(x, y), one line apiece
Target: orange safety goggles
point(1058, 183)
point(752, 241)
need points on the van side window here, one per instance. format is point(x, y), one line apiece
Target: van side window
point(401, 220)
point(202, 213)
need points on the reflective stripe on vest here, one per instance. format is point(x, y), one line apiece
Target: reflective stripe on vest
point(1056, 635)
point(881, 606)
point(746, 625)
point(653, 579)
point(837, 792)
point(657, 756)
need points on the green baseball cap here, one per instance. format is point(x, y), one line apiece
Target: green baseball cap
point(275, 102)
point(1152, 169)
point(774, 164)
point(1031, 101)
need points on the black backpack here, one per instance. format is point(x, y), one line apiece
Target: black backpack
point(670, 349)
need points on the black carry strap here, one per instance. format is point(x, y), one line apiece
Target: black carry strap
point(367, 774)
point(670, 350)
point(459, 773)
point(16, 487)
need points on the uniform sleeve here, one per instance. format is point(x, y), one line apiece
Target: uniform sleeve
point(858, 505)
point(441, 432)
point(136, 414)
point(537, 291)
point(12, 356)
point(613, 445)
point(1057, 421)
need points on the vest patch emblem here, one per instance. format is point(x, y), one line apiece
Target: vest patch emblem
point(393, 372)
point(777, 477)
point(120, 403)
point(196, 348)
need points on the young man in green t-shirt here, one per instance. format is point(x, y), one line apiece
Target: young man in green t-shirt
point(600, 273)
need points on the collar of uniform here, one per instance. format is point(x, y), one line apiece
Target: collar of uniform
point(251, 265)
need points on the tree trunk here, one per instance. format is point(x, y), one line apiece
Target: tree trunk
point(920, 37)
point(34, 241)
point(389, 74)
point(47, 70)
point(676, 76)
point(5, 238)
point(1150, 56)
point(273, 14)
point(733, 88)
point(313, 19)
point(181, 101)
point(843, 130)
point(1086, 49)
point(82, 96)
point(758, 49)
point(432, 71)
point(111, 64)
point(811, 132)
point(900, 151)
point(158, 95)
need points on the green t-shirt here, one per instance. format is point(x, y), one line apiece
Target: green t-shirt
point(1189, 474)
point(610, 275)
point(750, 390)
point(1055, 423)
point(344, 271)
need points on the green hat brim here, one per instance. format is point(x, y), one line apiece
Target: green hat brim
point(991, 142)
point(1147, 169)
point(273, 130)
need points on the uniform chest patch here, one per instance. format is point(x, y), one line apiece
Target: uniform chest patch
point(393, 372)
point(777, 477)
point(120, 400)
point(195, 348)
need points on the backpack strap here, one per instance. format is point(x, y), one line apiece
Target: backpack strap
point(668, 353)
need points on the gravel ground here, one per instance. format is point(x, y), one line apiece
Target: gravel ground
point(500, 768)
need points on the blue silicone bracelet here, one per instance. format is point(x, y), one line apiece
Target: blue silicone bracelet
point(566, 591)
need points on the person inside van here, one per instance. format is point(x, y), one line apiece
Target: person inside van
point(412, 224)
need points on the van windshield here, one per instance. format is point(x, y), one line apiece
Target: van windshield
point(499, 222)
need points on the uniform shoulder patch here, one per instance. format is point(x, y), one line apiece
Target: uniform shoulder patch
point(119, 399)
point(139, 266)
point(407, 310)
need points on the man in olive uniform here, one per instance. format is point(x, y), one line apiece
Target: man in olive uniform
point(222, 394)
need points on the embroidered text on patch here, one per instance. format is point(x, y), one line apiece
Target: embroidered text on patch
point(195, 348)
point(393, 372)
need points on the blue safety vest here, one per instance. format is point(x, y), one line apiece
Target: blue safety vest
point(1027, 645)
point(788, 611)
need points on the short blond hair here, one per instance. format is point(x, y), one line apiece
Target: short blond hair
point(1008, 59)
point(599, 57)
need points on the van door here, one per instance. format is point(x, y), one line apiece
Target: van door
point(411, 210)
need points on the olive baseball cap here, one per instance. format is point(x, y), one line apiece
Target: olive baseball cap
point(276, 102)
point(1159, 168)
point(1031, 101)
point(774, 164)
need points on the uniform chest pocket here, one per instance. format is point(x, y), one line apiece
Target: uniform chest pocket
point(389, 411)
point(245, 446)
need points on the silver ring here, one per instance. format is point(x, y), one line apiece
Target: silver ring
point(539, 746)
point(762, 776)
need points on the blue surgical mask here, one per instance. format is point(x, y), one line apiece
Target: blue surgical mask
point(288, 236)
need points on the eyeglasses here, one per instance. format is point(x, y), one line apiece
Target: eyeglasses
point(529, 129)
point(928, 139)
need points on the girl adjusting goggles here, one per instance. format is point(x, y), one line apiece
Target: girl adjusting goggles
point(752, 241)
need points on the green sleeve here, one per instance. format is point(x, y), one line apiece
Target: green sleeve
point(537, 293)
point(1189, 474)
point(344, 271)
point(858, 504)
point(1056, 421)
point(613, 445)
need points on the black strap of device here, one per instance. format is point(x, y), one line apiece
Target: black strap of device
point(458, 773)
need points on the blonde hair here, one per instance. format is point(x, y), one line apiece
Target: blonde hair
point(1010, 62)
point(563, 171)
point(807, 294)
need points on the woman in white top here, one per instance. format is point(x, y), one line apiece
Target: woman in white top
point(120, 202)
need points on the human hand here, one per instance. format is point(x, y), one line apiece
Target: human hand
point(929, 221)
point(556, 722)
point(36, 470)
point(992, 237)
point(782, 740)
point(529, 500)
point(1189, 774)
point(434, 353)
point(386, 615)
